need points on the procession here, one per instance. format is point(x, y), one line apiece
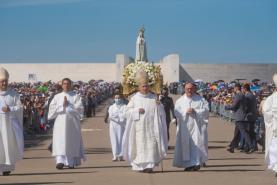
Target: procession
point(139, 114)
point(138, 92)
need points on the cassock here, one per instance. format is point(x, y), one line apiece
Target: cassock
point(191, 138)
point(67, 139)
point(11, 130)
point(145, 137)
point(270, 119)
point(117, 127)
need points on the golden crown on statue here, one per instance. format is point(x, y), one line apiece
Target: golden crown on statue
point(154, 74)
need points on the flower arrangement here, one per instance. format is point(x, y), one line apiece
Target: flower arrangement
point(129, 74)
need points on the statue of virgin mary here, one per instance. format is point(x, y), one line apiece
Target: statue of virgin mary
point(141, 54)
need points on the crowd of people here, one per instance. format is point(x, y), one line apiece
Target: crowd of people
point(220, 95)
point(138, 126)
point(36, 98)
point(242, 103)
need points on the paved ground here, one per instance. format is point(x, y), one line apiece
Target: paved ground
point(38, 167)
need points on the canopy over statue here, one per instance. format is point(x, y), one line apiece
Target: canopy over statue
point(141, 53)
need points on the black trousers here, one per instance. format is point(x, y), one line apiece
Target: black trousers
point(241, 128)
point(252, 133)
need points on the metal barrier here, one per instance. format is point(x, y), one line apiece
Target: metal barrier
point(218, 109)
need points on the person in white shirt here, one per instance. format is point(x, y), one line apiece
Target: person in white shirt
point(269, 110)
point(192, 112)
point(145, 137)
point(117, 125)
point(67, 108)
point(11, 126)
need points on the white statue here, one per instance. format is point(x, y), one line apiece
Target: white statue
point(141, 54)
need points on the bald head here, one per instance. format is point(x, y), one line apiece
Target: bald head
point(190, 89)
point(4, 77)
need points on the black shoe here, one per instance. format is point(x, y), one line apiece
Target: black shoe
point(250, 151)
point(71, 167)
point(6, 173)
point(196, 168)
point(60, 166)
point(148, 170)
point(50, 148)
point(275, 174)
point(204, 165)
point(231, 150)
point(244, 151)
point(256, 149)
point(239, 148)
point(189, 168)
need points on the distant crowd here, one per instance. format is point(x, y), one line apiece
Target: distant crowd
point(36, 98)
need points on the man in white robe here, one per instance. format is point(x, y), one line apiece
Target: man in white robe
point(11, 126)
point(270, 118)
point(145, 137)
point(67, 108)
point(192, 112)
point(117, 122)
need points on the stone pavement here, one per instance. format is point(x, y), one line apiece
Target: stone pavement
point(223, 168)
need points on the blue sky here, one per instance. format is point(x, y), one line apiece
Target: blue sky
point(201, 31)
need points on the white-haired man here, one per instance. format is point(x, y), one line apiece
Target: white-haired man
point(270, 118)
point(11, 126)
point(145, 137)
point(192, 113)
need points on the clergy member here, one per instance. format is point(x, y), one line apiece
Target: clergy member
point(145, 137)
point(192, 112)
point(270, 119)
point(11, 126)
point(67, 108)
point(117, 126)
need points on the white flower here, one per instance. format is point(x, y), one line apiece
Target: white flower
point(131, 70)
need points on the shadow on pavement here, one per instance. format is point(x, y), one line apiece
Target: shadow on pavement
point(34, 183)
point(230, 165)
point(229, 170)
point(219, 159)
point(30, 149)
point(98, 150)
point(50, 173)
point(91, 167)
point(232, 170)
point(219, 141)
point(216, 147)
point(27, 158)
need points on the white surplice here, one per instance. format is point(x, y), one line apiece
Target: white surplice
point(270, 119)
point(67, 138)
point(191, 136)
point(11, 130)
point(145, 137)
point(117, 127)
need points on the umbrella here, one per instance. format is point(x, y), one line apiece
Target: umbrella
point(239, 79)
point(256, 80)
point(198, 81)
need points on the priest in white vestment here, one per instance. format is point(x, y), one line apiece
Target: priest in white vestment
point(145, 137)
point(192, 113)
point(67, 108)
point(270, 118)
point(11, 126)
point(117, 125)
